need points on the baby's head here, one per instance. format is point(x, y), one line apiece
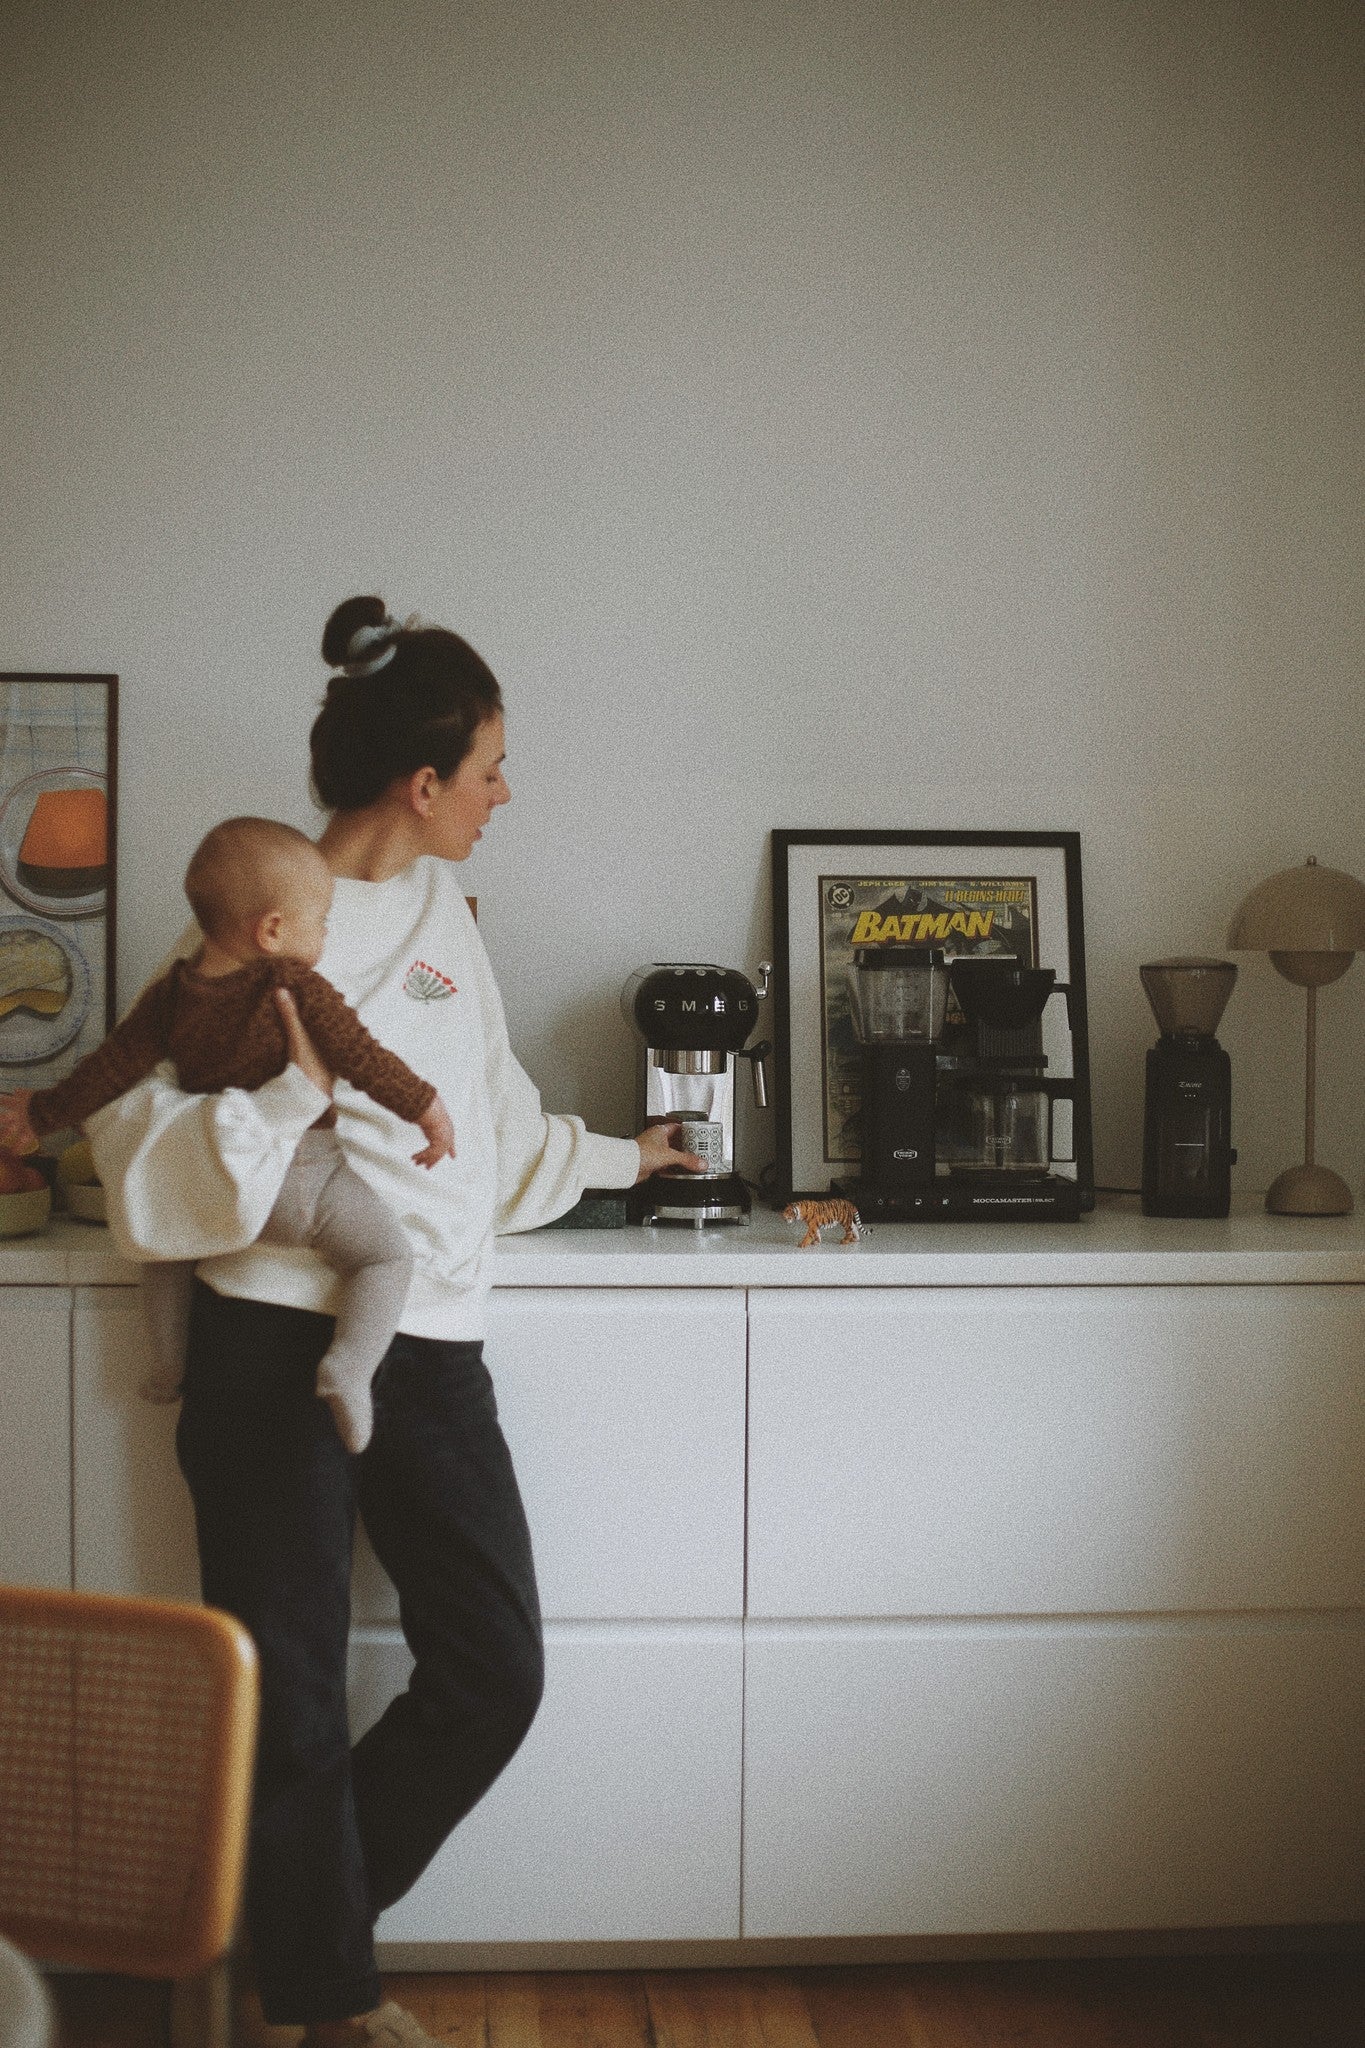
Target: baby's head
point(257, 887)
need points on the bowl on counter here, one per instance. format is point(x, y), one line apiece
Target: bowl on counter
point(86, 1200)
point(25, 1211)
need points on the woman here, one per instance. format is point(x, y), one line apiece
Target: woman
point(407, 756)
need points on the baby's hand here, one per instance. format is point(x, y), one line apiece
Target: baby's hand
point(17, 1134)
point(440, 1134)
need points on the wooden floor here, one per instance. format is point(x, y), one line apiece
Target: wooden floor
point(1224, 2002)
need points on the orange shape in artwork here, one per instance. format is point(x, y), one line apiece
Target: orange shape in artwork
point(69, 829)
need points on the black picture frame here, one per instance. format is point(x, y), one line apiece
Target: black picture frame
point(1053, 915)
point(58, 899)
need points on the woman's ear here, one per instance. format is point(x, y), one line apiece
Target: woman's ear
point(421, 788)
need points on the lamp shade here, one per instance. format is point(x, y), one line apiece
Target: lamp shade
point(1308, 909)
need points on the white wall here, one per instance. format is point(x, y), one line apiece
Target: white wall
point(831, 413)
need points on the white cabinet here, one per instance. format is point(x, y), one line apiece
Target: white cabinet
point(624, 1411)
point(1098, 1561)
point(1054, 1615)
point(998, 1777)
point(35, 1440)
point(618, 1819)
point(1056, 1450)
point(133, 1524)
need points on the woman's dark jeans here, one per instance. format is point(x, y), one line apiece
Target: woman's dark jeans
point(338, 1834)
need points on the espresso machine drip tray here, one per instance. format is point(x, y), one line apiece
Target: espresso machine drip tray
point(711, 1204)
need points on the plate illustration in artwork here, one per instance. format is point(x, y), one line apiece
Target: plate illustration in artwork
point(44, 990)
point(54, 842)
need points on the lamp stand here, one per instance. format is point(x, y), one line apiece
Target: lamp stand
point(1310, 1189)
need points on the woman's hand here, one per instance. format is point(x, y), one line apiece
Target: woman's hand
point(439, 1132)
point(658, 1150)
point(303, 1054)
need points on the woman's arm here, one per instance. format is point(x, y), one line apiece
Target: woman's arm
point(195, 1176)
point(546, 1161)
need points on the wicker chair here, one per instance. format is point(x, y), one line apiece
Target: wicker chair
point(127, 1738)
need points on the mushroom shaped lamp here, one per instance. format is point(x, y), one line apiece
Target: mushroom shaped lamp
point(1311, 921)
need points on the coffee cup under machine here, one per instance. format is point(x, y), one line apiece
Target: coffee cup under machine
point(693, 1020)
point(959, 1113)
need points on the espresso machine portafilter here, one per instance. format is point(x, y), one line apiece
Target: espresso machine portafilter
point(693, 1020)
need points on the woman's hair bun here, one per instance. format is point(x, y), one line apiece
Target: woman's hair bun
point(402, 697)
point(346, 620)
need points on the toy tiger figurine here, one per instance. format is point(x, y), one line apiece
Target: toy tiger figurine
point(815, 1215)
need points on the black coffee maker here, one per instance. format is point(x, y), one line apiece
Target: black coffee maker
point(964, 1115)
point(1187, 1153)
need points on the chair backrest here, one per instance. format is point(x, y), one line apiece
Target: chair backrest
point(127, 1741)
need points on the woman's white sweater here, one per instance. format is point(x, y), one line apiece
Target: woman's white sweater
point(194, 1177)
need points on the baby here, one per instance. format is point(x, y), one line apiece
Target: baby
point(261, 893)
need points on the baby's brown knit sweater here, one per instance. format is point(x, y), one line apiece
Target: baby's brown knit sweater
point(226, 1031)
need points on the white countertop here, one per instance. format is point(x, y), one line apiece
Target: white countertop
point(1116, 1247)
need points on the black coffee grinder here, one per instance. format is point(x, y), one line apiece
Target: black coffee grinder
point(1187, 1153)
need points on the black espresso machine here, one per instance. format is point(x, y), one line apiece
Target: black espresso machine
point(693, 1020)
point(969, 1104)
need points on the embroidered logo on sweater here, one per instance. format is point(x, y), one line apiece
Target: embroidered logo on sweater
point(426, 984)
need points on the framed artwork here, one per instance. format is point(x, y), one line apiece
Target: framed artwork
point(58, 783)
point(1014, 895)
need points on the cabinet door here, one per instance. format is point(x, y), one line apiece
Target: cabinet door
point(35, 1441)
point(983, 1778)
point(619, 1817)
point(624, 1410)
point(1056, 1450)
point(134, 1527)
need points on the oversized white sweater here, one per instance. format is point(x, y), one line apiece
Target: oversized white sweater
point(194, 1177)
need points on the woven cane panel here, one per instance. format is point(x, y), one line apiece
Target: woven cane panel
point(102, 1797)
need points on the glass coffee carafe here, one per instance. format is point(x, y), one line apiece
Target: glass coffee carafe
point(995, 1111)
point(994, 1124)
